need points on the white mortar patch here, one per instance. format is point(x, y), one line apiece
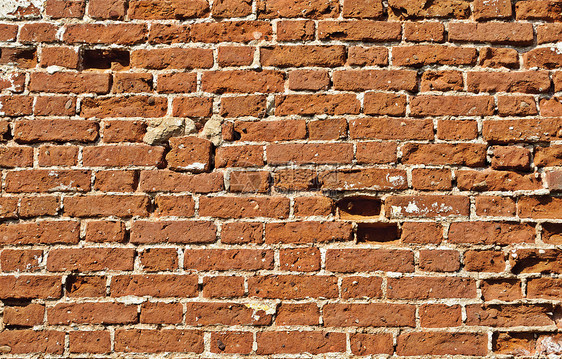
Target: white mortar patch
point(9, 7)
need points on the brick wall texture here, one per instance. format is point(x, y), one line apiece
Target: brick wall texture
point(280, 178)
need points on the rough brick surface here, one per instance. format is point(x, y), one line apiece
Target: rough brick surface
point(280, 178)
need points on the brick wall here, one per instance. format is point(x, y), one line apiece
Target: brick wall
point(280, 177)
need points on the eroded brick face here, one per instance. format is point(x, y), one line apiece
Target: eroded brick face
point(280, 178)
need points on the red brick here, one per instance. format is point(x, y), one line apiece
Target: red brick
point(295, 30)
point(132, 83)
point(499, 57)
point(58, 156)
point(543, 57)
point(309, 153)
point(22, 57)
point(503, 289)
point(298, 314)
point(441, 9)
point(447, 80)
point(30, 287)
point(223, 287)
point(313, 206)
point(58, 9)
point(44, 232)
point(172, 58)
point(176, 231)
point(55, 106)
point(235, 56)
point(294, 342)
point(303, 56)
point(536, 261)
point(107, 9)
point(92, 313)
point(155, 285)
point(133, 106)
point(242, 81)
point(159, 259)
point(15, 106)
point(292, 286)
point(543, 288)
point(377, 343)
point(121, 156)
point(369, 315)
point(216, 313)
point(16, 156)
point(440, 315)
point(495, 206)
point(517, 106)
point(483, 10)
point(169, 181)
point(158, 340)
point(359, 30)
point(497, 233)
point(90, 259)
point(307, 232)
point(424, 31)
point(377, 103)
point(231, 342)
point(439, 260)
point(472, 155)
point(300, 260)
point(369, 260)
point(427, 206)
point(176, 82)
point(360, 80)
point(239, 156)
point(309, 80)
point(490, 180)
point(431, 288)
point(442, 343)
point(31, 341)
point(389, 128)
point(161, 313)
point(526, 82)
point(192, 107)
point(420, 55)
point(97, 342)
point(105, 231)
point(106, 205)
point(115, 181)
point(25, 316)
point(85, 286)
point(60, 56)
point(60, 130)
point(170, 205)
point(21, 260)
point(48, 181)
point(492, 32)
point(509, 315)
point(484, 261)
point(227, 259)
point(249, 181)
point(367, 56)
point(8, 32)
point(175, 9)
point(62, 82)
point(450, 105)
point(521, 130)
point(243, 207)
point(270, 131)
point(538, 10)
point(242, 232)
point(230, 31)
point(328, 129)
point(363, 9)
point(38, 32)
point(361, 287)
point(316, 9)
point(312, 104)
